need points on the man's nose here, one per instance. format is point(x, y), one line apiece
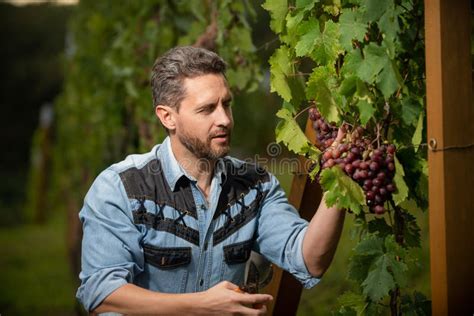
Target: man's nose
point(224, 116)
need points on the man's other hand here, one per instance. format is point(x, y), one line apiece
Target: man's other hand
point(226, 299)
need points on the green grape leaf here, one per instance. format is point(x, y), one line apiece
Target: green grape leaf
point(277, 10)
point(317, 89)
point(279, 68)
point(327, 46)
point(417, 136)
point(313, 153)
point(310, 32)
point(297, 88)
point(375, 59)
point(312, 174)
point(380, 226)
point(366, 110)
point(393, 248)
point(289, 133)
point(289, 106)
point(293, 21)
point(378, 67)
point(388, 23)
point(418, 306)
point(389, 80)
point(379, 281)
point(352, 62)
point(410, 110)
point(410, 206)
point(322, 46)
point(359, 267)
point(397, 267)
point(359, 226)
point(348, 86)
point(411, 231)
point(353, 300)
point(371, 245)
point(351, 28)
point(305, 4)
point(402, 190)
point(422, 305)
point(341, 190)
point(374, 9)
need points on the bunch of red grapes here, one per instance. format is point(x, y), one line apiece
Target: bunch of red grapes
point(373, 168)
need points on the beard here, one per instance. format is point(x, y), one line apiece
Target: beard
point(204, 149)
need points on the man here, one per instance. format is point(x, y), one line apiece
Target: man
point(169, 232)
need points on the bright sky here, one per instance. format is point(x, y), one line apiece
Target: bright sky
point(25, 2)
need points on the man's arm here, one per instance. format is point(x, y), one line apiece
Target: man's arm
point(321, 238)
point(323, 233)
point(222, 299)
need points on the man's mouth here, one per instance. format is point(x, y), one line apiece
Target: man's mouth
point(221, 136)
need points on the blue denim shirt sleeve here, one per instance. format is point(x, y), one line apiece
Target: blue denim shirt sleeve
point(280, 234)
point(111, 255)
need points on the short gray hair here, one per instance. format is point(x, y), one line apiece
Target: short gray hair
point(179, 63)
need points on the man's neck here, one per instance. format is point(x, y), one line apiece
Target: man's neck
point(202, 170)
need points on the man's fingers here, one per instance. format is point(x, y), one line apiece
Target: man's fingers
point(341, 132)
point(253, 311)
point(262, 310)
point(228, 285)
point(255, 298)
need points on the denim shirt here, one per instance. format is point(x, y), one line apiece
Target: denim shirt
point(146, 222)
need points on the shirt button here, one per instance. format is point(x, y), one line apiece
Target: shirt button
point(201, 282)
point(203, 207)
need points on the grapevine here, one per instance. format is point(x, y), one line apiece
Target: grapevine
point(357, 64)
point(371, 167)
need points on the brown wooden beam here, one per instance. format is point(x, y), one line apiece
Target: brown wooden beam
point(450, 119)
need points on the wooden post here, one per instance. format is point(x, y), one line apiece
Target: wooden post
point(305, 196)
point(450, 119)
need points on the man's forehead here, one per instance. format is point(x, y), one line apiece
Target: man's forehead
point(206, 86)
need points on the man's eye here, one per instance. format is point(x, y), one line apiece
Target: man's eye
point(207, 109)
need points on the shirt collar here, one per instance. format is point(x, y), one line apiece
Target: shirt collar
point(174, 172)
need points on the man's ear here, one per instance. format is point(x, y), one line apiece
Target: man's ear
point(166, 115)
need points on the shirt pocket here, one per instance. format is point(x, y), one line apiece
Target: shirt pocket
point(235, 258)
point(238, 252)
point(169, 265)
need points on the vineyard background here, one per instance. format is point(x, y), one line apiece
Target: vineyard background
point(103, 113)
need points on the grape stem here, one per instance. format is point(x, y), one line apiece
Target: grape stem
point(398, 231)
point(302, 111)
point(390, 218)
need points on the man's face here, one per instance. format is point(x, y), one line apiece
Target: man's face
point(204, 121)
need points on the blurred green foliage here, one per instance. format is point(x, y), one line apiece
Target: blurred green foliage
point(32, 40)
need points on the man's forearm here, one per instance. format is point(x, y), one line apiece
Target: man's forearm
point(131, 299)
point(222, 299)
point(321, 238)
